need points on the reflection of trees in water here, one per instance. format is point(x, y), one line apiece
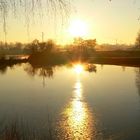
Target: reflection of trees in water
point(30, 70)
point(4, 67)
point(138, 79)
point(123, 68)
point(11, 63)
point(46, 72)
point(42, 71)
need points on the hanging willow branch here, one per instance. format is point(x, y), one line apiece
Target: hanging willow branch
point(29, 8)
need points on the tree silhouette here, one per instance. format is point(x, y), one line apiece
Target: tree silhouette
point(138, 40)
point(29, 8)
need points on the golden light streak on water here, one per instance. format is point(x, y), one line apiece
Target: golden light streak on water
point(77, 122)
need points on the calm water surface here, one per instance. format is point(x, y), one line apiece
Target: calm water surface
point(75, 103)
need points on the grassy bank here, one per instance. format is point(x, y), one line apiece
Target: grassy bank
point(124, 58)
point(122, 61)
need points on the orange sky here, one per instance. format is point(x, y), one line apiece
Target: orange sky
point(106, 21)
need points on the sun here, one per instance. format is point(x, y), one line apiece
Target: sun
point(78, 28)
point(78, 68)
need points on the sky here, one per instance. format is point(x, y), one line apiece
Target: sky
point(108, 22)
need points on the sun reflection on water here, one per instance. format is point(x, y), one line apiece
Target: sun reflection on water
point(78, 68)
point(77, 120)
point(77, 107)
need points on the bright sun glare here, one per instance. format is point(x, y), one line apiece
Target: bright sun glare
point(78, 28)
point(78, 68)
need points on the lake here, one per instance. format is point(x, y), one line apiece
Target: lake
point(72, 101)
